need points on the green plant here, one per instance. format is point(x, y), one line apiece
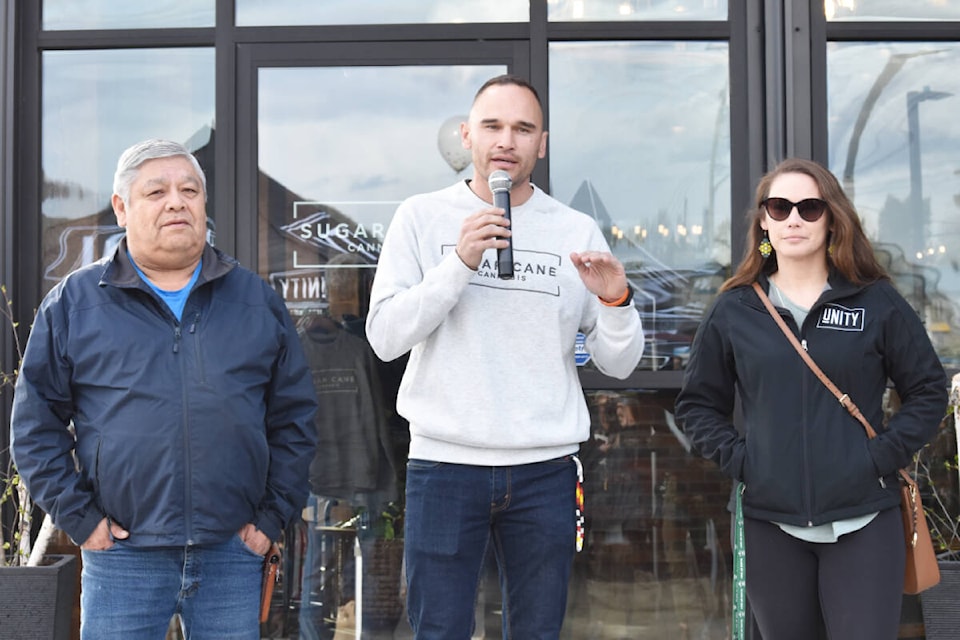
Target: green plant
point(391, 519)
point(18, 547)
point(938, 475)
point(13, 497)
point(16, 541)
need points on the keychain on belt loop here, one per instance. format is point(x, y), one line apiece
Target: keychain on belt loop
point(579, 509)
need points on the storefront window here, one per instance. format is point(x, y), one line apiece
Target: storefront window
point(894, 137)
point(640, 140)
point(610, 10)
point(656, 557)
point(891, 10)
point(95, 105)
point(127, 14)
point(252, 13)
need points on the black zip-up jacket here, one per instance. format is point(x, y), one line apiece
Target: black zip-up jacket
point(803, 458)
point(185, 431)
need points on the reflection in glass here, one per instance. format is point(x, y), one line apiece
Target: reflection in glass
point(124, 14)
point(891, 10)
point(611, 10)
point(894, 136)
point(95, 105)
point(640, 140)
point(335, 162)
point(252, 13)
point(356, 475)
point(656, 560)
point(333, 165)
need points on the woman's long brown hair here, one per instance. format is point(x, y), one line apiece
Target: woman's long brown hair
point(851, 252)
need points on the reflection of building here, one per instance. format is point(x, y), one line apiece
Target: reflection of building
point(679, 243)
point(671, 300)
point(919, 285)
point(587, 199)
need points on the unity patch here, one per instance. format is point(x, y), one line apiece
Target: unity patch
point(840, 318)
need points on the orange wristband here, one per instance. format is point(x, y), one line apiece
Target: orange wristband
point(619, 301)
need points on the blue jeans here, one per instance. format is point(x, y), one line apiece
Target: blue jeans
point(132, 593)
point(455, 511)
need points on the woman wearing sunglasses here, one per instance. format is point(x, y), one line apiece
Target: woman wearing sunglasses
point(823, 537)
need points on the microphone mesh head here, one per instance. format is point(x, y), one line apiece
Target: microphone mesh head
point(499, 181)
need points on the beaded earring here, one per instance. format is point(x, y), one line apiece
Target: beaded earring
point(765, 247)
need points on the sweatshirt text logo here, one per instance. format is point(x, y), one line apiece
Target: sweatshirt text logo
point(840, 318)
point(535, 271)
point(327, 381)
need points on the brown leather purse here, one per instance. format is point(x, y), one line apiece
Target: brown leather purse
point(921, 571)
point(271, 575)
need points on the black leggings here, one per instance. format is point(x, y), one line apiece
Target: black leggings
point(855, 584)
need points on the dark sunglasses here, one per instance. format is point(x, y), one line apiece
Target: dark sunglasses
point(779, 208)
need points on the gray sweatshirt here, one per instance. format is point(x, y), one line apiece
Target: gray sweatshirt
point(492, 378)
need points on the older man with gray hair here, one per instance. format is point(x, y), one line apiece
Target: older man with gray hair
point(163, 416)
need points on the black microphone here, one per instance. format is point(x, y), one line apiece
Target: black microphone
point(500, 184)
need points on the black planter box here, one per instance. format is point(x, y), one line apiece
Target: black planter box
point(38, 601)
point(941, 604)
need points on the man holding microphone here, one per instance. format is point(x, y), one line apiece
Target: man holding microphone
point(491, 389)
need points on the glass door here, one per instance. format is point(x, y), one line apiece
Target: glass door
point(331, 139)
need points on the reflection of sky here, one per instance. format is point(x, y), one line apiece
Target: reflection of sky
point(121, 14)
point(645, 123)
point(125, 14)
point(320, 12)
point(882, 164)
point(98, 103)
point(563, 10)
point(361, 133)
point(885, 10)
point(311, 12)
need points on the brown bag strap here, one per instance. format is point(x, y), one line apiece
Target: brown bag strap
point(844, 399)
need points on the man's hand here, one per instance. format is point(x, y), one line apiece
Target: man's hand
point(256, 540)
point(103, 536)
point(479, 232)
point(602, 274)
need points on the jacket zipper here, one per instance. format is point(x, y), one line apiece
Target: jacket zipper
point(187, 472)
point(804, 388)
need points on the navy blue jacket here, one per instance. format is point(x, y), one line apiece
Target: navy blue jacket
point(184, 431)
point(803, 458)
